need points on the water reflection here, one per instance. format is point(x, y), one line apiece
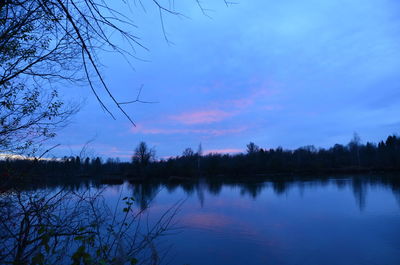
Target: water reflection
point(145, 191)
point(276, 220)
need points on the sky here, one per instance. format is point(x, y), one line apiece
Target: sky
point(278, 73)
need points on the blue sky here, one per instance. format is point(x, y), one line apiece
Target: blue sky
point(279, 73)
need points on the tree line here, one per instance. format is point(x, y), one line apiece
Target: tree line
point(350, 158)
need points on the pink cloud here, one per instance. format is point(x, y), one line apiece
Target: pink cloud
point(228, 224)
point(212, 132)
point(223, 151)
point(272, 107)
point(237, 204)
point(201, 117)
point(206, 220)
point(249, 100)
point(220, 110)
point(242, 103)
point(116, 152)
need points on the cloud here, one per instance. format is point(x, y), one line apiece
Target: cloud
point(201, 117)
point(220, 110)
point(260, 93)
point(4, 156)
point(211, 132)
point(241, 103)
point(223, 151)
point(206, 220)
point(113, 151)
point(272, 107)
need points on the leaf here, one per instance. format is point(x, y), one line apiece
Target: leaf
point(79, 238)
point(45, 239)
point(47, 248)
point(41, 230)
point(38, 259)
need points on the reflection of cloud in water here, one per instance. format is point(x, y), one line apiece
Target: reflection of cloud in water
point(237, 204)
point(206, 220)
point(230, 227)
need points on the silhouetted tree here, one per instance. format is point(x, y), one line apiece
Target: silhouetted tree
point(143, 154)
point(199, 155)
point(252, 148)
point(188, 152)
point(384, 156)
point(354, 147)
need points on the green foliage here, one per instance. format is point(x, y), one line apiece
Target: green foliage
point(53, 231)
point(81, 256)
point(38, 259)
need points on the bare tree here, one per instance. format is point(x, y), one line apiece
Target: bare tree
point(29, 112)
point(143, 154)
point(44, 43)
point(252, 148)
point(188, 152)
point(354, 146)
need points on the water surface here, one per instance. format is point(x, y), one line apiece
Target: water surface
point(313, 220)
point(345, 220)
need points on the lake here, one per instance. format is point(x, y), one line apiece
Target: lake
point(315, 220)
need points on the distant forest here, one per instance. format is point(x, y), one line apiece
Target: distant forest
point(355, 157)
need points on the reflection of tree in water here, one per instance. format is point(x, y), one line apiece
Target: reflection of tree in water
point(396, 194)
point(144, 193)
point(188, 187)
point(395, 185)
point(279, 187)
point(200, 188)
point(252, 189)
point(341, 183)
point(171, 186)
point(360, 192)
point(214, 187)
